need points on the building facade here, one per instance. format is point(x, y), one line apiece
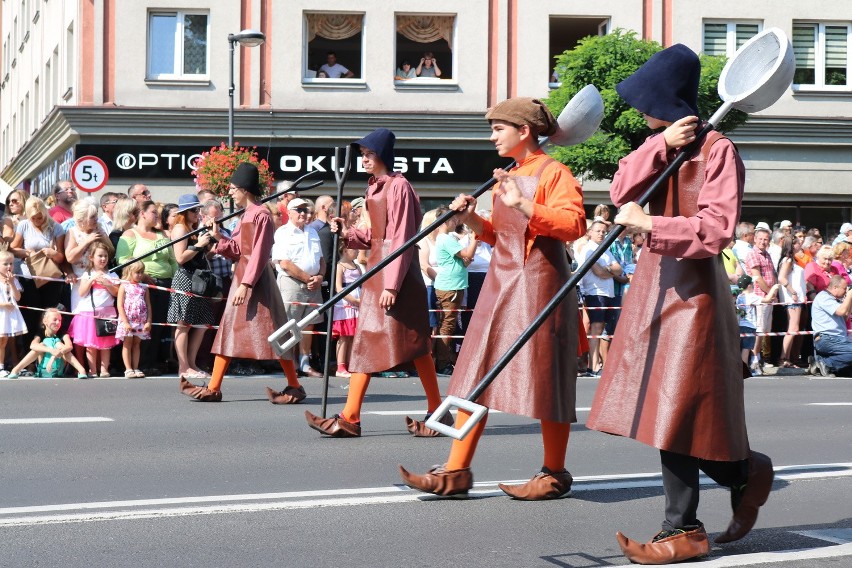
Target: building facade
point(146, 88)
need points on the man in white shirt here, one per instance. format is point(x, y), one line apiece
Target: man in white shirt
point(108, 201)
point(598, 291)
point(335, 70)
point(745, 240)
point(298, 259)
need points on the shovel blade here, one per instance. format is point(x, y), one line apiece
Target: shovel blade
point(477, 411)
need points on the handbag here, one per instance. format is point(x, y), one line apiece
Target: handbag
point(103, 327)
point(39, 264)
point(206, 283)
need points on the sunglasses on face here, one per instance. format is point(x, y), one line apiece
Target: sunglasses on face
point(302, 210)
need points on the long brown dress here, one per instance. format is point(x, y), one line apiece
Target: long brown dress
point(385, 339)
point(244, 329)
point(673, 377)
point(541, 379)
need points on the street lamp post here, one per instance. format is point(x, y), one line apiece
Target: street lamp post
point(247, 38)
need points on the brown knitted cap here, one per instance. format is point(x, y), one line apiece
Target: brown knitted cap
point(525, 110)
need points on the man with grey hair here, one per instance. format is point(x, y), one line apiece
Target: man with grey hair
point(774, 249)
point(829, 311)
point(65, 195)
point(810, 246)
point(139, 192)
point(745, 240)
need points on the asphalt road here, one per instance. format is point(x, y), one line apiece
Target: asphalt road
point(143, 476)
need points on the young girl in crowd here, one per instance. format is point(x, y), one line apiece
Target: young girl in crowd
point(134, 316)
point(11, 320)
point(97, 299)
point(346, 310)
point(52, 352)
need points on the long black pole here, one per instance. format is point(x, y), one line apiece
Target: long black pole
point(404, 247)
point(341, 178)
point(293, 187)
point(575, 278)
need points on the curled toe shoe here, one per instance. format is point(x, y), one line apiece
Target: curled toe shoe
point(667, 547)
point(336, 426)
point(290, 395)
point(440, 481)
point(543, 486)
point(746, 501)
point(199, 393)
point(420, 430)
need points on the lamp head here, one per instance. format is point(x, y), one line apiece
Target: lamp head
point(248, 38)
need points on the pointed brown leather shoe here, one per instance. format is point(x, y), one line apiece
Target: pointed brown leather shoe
point(440, 481)
point(674, 548)
point(420, 430)
point(545, 485)
point(290, 395)
point(754, 495)
point(336, 426)
point(201, 394)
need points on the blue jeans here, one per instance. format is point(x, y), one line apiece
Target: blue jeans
point(835, 351)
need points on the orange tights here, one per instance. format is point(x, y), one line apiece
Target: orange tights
point(359, 382)
point(554, 435)
point(220, 366)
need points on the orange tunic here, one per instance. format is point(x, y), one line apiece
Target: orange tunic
point(557, 206)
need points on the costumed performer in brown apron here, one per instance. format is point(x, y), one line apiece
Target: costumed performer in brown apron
point(538, 206)
point(254, 308)
point(674, 378)
point(393, 324)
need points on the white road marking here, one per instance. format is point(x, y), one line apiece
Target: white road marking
point(830, 404)
point(837, 536)
point(780, 556)
point(69, 420)
point(255, 502)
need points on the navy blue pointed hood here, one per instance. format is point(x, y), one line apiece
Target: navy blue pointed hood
point(381, 142)
point(666, 86)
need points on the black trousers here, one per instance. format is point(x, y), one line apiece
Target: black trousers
point(680, 482)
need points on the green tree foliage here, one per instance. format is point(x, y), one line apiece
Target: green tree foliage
point(604, 61)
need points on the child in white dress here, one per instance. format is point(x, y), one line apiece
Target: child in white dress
point(11, 321)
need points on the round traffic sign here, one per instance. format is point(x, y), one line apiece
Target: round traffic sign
point(89, 173)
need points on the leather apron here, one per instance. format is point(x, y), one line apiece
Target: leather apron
point(674, 377)
point(385, 339)
point(244, 329)
point(541, 379)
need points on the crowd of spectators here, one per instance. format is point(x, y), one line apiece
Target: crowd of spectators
point(785, 280)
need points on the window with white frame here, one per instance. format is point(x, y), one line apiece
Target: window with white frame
point(424, 47)
point(177, 45)
point(725, 38)
point(334, 47)
point(822, 55)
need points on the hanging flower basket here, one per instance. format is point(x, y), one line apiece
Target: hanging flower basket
point(213, 169)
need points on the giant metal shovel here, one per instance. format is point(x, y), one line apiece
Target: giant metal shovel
point(755, 77)
point(576, 123)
